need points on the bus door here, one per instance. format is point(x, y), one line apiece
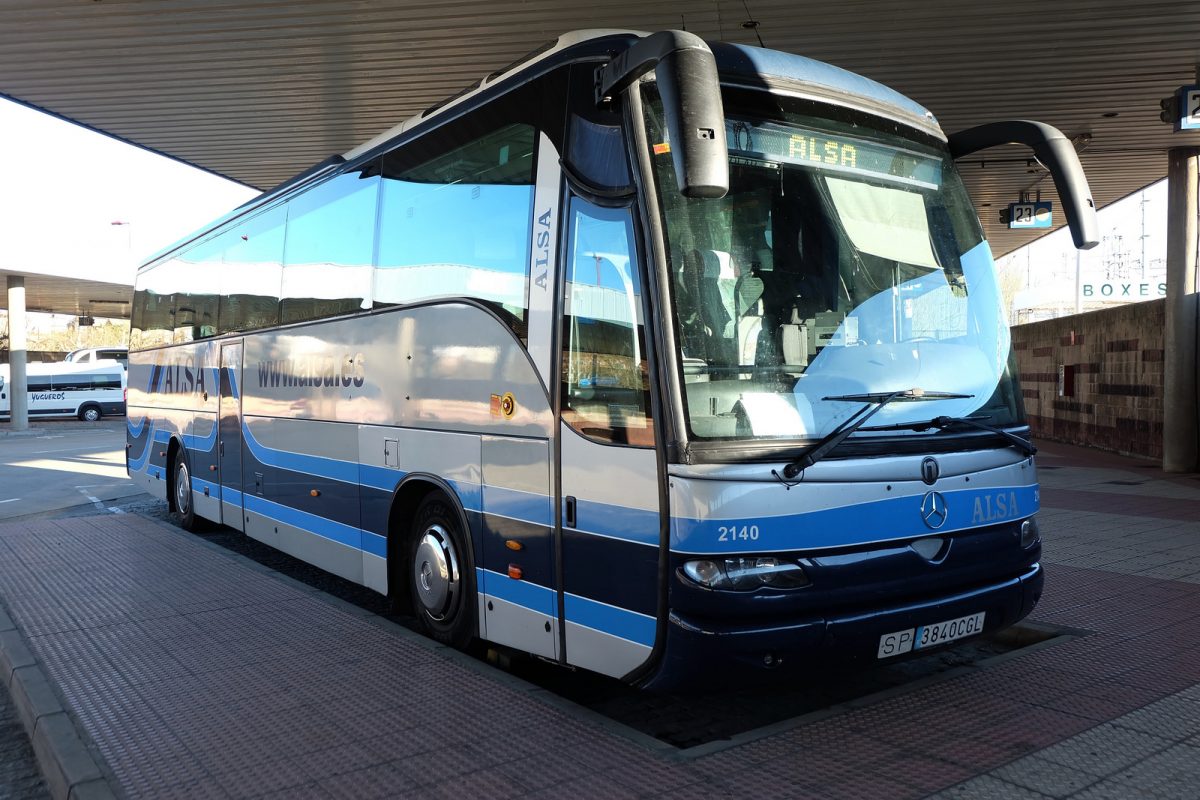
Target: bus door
point(518, 585)
point(608, 493)
point(229, 436)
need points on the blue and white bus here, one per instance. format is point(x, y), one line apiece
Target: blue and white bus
point(643, 355)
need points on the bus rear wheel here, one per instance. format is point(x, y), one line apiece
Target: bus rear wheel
point(90, 413)
point(181, 486)
point(440, 581)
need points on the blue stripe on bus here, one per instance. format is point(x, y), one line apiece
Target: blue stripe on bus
point(880, 521)
point(199, 485)
point(617, 522)
point(230, 495)
point(384, 478)
point(156, 435)
point(524, 506)
point(600, 519)
point(526, 594)
point(332, 468)
point(469, 494)
point(614, 621)
point(619, 622)
point(325, 528)
point(374, 544)
point(205, 444)
point(135, 427)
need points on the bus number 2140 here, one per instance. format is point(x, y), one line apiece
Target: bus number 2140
point(733, 533)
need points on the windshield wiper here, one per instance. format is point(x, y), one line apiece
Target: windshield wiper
point(1024, 445)
point(942, 423)
point(874, 402)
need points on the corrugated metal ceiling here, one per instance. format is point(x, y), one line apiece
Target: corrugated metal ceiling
point(259, 89)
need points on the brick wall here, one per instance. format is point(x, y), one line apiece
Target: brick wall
point(1116, 356)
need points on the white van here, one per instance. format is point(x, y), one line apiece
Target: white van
point(86, 391)
point(93, 354)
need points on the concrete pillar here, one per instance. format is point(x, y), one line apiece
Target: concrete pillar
point(18, 382)
point(1181, 412)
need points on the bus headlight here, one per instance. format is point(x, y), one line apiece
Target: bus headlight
point(1030, 535)
point(745, 574)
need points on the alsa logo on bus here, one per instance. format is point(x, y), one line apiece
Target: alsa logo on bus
point(543, 243)
point(182, 377)
point(327, 371)
point(995, 507)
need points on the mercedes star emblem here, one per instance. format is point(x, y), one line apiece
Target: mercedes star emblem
point(934, 510)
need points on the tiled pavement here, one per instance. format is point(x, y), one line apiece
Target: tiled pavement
point(198, 675)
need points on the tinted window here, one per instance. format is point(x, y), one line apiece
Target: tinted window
point(458, 224)
point(596, 150)
point(85, 382)
point(196, 308)
point(251, 273)
point(154, 303)
point(606, 391)
point(328, 248)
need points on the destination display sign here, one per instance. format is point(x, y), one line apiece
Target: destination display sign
point(792, 144)
point(1030, 215)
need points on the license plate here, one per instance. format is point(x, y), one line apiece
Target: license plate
point(898, 642)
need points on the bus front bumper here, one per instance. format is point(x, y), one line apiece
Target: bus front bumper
point(703, 654)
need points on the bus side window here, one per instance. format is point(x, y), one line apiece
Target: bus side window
point(195, 310)
point(605, 379)
point(251, 273)
point(154, 305)
point(328, 248)
point(455, 219)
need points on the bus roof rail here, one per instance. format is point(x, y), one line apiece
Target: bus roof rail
point(686, 73)
point(300, 177)
point(1054, 152)
point(447, 101)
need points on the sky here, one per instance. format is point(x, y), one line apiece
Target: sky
point(1040, 277)
point(63, 186)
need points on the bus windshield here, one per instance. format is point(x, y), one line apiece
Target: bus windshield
point(846, 259)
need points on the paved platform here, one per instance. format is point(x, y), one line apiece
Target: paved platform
point(191, 672)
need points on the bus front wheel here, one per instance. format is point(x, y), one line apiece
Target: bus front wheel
point(181, 484)
point(440, 581)
point(90, 413)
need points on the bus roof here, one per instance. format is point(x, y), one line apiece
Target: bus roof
point(832, 83)
point(752, 62)
point(755, 65)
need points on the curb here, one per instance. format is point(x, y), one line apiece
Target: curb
point(70, 769)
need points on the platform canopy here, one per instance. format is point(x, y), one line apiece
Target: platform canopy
point(257, 90)
point(65, 294)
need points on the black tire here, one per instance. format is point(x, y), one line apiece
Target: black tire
point(181, 488)
point(90, 413)
point(441, 580)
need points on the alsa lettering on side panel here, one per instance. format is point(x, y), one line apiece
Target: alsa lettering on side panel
point(184, 376)
point(995, 508)
point(542, 264)
point(318, 371)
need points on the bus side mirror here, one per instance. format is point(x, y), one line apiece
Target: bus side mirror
point(1054, 152)
point(686, 73)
